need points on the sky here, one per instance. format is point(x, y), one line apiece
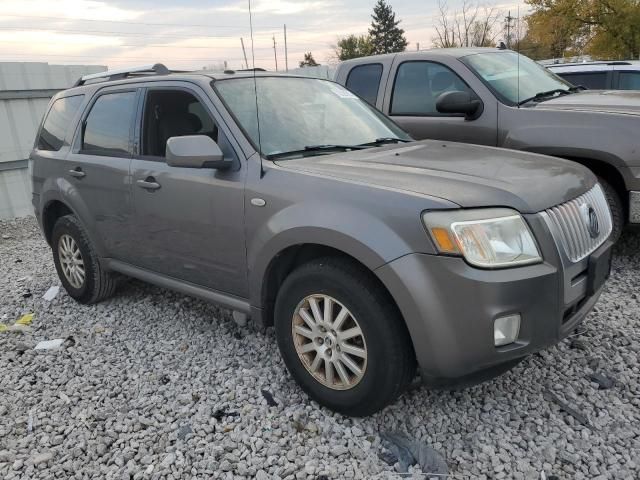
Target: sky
point(192, 34)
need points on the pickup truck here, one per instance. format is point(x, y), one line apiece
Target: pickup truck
point(499, 98)
point(307, 209)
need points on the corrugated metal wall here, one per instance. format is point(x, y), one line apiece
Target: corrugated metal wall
point(25, 90)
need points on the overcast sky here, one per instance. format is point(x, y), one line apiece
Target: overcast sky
point(194, 33)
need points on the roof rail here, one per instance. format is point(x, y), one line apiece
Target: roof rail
point(157, 69)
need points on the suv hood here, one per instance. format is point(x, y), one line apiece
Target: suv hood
point(468, 175)
point(606, 101)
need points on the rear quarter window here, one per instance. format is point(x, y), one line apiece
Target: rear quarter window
point(364, 80)
point(57, 123)
point(629, 81)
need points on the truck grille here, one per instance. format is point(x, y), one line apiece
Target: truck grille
point(582, 224)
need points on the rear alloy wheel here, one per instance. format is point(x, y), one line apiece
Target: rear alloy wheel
point(77, 262)
point(342, 337)
point(71, 261)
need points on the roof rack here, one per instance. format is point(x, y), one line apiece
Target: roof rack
point(257, 69)
point(157, 69)
point(595, 62)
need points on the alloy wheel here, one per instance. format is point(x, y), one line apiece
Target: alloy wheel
point(329, 342)
point(71, 261)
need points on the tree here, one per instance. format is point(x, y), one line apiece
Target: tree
point(353, 46)
point(308, 61)
point(601, 28)
point(472, 26)
point(386, 36)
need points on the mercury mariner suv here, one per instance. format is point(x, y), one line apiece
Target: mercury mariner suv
point(294, 202)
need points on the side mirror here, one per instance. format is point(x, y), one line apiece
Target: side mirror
point(460, 102)
point(195, 151)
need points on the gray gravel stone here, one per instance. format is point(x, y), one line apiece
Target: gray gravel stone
point(148, 365)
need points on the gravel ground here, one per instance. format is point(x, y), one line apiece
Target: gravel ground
point(153, 384)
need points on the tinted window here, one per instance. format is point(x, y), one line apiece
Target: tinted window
point(419, 84)
point(364, 80)
point(593, 80)
point(57, 123)
point(108, 125)
point(629, 81)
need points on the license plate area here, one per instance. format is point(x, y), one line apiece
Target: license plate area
point(599, 268)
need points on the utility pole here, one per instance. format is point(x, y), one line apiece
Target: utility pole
point(508, 19)
point(275, 52)
point(245, 53)
point(286, 53)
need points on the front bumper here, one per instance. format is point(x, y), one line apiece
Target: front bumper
point(450, 307)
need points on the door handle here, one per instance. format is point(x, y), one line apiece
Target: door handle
point(77, 173)
point(148, 184)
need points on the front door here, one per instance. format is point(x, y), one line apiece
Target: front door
point(417, 84)
point(189, 221)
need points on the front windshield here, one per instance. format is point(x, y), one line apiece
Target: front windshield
point(296, 113)
point(510, 81)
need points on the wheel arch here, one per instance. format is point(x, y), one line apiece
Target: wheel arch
point(292, 256)
point(51, 212)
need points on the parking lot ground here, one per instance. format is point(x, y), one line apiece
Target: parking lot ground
point(154, 384)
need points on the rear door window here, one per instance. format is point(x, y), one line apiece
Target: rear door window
point(107, 129)
point(591, 80)
point(56, 125)
point(364, 80)
point(629, 81)
point(418, 85)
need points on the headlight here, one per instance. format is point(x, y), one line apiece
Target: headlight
point(487, 238)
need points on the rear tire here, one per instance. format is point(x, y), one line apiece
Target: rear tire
point(616, 206)
point(383, 353)
point(77, 263)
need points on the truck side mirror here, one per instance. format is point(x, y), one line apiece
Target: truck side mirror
point(460, 102)
point(196, 151)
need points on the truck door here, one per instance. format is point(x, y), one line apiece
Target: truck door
point(412, 91)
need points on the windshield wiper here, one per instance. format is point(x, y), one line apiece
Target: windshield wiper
point(384, 141)
point(549, 93)
point(316, 149)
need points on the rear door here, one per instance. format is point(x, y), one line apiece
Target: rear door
point(189, 222)
point(97, 167)
point(415, 83)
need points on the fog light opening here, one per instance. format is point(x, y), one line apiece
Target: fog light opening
point(506, 329)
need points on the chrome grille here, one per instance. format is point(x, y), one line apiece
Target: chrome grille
point(571, 221)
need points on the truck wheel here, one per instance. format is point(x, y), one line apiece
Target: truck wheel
point(77, 263)
point(616, 207)
point(342, 338)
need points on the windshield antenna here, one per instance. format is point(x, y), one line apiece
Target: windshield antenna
point(255, 90)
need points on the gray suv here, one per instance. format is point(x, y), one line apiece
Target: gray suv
point(496, 97)
point(307, 209)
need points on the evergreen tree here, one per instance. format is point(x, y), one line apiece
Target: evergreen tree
point(308, 61)
point(386, 36)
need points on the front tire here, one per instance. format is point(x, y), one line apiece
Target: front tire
point(342, 337)
point(616, 207)
point(77, 263)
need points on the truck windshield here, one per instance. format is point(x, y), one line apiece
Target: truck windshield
point(304, 116)
point(515, 81)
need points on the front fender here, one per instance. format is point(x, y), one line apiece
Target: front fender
point(367, 238)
